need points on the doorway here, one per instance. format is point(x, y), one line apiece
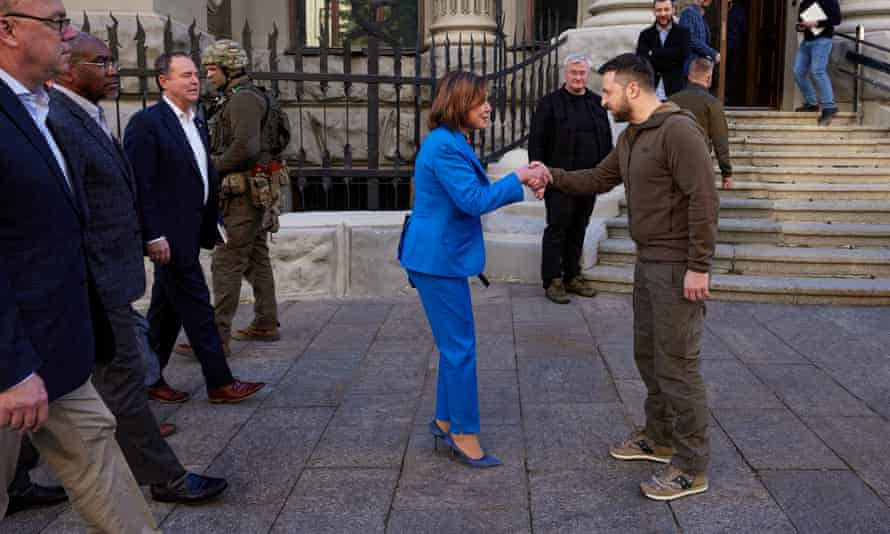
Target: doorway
point(755, 51)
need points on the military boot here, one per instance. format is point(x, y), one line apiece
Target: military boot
point(556, 292)
point(580, 287)
point(253, 333)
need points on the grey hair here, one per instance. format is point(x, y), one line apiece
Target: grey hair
point(578, 58)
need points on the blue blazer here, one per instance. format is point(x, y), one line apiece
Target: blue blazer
point(45, 310)
point(169, 184)
point(451, 193)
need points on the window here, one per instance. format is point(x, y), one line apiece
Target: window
point(341, 17)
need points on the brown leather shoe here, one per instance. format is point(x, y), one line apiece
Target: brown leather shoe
point(164, 393)
point(186, 349)
point(237, 391)
point(167, 429)
point(252, 333)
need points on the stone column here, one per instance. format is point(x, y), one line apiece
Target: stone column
point(619, 13)
point(465, 18)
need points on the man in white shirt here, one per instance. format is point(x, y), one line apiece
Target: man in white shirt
point(179, 197)
point(48, 307)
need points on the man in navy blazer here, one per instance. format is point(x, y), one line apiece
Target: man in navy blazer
point(47, 296)
point(179, 195)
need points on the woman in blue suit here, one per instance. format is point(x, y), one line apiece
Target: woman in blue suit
point(442, 246)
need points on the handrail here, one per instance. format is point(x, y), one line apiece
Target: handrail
point(862, 61)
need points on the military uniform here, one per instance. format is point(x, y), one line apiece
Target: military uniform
point(236, 130)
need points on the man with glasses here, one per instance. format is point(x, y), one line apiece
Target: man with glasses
point(79, 124)
point(47, 293)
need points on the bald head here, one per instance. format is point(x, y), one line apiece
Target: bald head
point(86, 45)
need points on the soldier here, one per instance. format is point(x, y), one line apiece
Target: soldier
point(245, 142)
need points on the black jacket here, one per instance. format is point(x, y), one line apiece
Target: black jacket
point(552, 139)
point(667, 60)
point(832, 10)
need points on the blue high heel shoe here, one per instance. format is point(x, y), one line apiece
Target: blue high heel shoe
point(437, 433)
point(487, 460)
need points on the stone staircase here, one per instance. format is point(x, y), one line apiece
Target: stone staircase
point(808, 219)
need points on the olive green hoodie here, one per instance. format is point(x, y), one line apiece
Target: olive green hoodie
point(668, 177)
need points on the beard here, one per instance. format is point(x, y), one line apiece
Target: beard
point(622, 113)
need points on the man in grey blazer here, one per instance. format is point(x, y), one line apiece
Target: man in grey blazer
point(115, 259)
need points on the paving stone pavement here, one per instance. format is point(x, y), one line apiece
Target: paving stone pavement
point(337, 443)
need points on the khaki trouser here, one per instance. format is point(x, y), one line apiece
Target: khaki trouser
point(77, 441)
point(667, 346)
point(246, 255)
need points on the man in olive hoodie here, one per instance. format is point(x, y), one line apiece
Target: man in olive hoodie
point(664, 162)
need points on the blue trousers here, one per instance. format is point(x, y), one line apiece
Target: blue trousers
point(812, 59)
point(449, 310)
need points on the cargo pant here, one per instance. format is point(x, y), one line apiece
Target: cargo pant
point(246, 255)
point(667, 348)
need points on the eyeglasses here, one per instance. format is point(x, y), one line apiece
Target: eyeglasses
point(60, 24)
point(106, 64)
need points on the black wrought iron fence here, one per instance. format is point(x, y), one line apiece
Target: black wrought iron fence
point(356, 131)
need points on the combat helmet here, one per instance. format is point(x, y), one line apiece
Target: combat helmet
point(225, 53)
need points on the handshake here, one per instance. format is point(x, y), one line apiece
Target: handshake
point(536, 176)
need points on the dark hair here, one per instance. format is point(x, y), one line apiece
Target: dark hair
point(162, 65)
point(631, 68)
point(657, 1)
point(456, 94)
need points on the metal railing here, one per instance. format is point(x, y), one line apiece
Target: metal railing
point(862, 61)
point(345, 178)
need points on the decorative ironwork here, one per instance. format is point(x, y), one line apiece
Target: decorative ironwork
point(351, 148)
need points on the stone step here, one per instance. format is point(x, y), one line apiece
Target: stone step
point(758, 117)
point(805, 174)
point(759, 231)
point(802, 132)
point(819, 146)
point(808, 159)
point(806, 191)
point(821, 211)
point(772, 289)
point(768, 260)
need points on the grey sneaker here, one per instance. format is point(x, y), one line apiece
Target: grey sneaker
point(580, 287)
point(639, 447)
point(669, 483)
point(556, 292)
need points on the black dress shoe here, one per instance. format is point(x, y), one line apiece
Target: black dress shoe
point(192, 489)
point(35, 496)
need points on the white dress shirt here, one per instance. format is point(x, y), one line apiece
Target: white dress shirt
point(187, 121)
point(95, 111)
point(37, 104)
